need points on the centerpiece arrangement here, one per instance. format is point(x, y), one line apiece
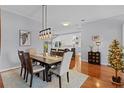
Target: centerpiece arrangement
point(45, 48)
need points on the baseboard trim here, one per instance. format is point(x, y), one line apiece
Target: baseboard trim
point(101, 63)
point(9, 69)
point(84, 60)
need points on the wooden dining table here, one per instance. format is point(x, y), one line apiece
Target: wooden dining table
point(47, 61)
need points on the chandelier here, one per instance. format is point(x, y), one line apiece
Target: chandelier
point(45, 33)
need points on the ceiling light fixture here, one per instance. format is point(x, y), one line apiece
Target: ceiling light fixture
point(66, 23)
point(45, 33)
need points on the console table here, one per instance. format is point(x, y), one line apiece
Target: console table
point(94, 57)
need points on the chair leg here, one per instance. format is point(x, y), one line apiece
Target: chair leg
point(31, 80)
point(24, 73)
point(60, 82)
point(21, 71)
point(37, 74)
point(43, 75)
point(68, 77)
point(27, 77)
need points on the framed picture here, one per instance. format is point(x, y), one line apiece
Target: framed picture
point(96, 38)
point(24, 38)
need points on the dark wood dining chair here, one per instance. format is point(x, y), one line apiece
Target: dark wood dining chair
point(23, 64)
point(33, 69)
point(53, 52)
point(63, 68)
point(73, 50)
point(60, 52)
point(66, 49)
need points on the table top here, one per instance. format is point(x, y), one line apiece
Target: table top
point(47, 59)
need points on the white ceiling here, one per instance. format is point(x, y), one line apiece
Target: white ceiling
point(74, 14)
point(30, 11)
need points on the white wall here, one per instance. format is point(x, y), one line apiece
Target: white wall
point(123, 35)
point(11, 23)
point(108, 29)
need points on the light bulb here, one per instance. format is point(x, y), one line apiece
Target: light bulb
point(50, 34)
point(39, 36)
point(46, 34)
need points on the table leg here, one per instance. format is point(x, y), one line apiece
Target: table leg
point(48, 76)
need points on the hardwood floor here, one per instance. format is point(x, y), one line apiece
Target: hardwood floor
point(1, 83)
point(99, 75)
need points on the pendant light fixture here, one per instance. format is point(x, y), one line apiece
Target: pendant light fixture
point(45, 33)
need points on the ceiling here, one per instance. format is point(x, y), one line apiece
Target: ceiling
point(30, 11)
point(71, 13)
point(75, 14)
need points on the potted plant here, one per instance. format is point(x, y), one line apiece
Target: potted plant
point(45, 48)
point(115, 60)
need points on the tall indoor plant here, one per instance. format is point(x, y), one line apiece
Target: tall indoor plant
point(115, 59)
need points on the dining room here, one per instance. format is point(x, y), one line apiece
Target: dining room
point(38, 56)
point(44, 46)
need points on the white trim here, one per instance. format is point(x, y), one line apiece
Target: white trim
point(84, 60)
point(101, 62)
point(104, 64)
point(9, 69)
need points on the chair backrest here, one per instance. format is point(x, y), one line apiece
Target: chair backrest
point(28, 63)
point(66, 50)
point(60, 52)
point(66, 62)
point(73, 50)
point(32, 51)
point(53, 51)
point(21, 57)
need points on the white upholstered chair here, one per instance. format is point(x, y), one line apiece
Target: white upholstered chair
point(64, 67)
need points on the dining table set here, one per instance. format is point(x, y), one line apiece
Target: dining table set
point(48, 61)
point(56, 62)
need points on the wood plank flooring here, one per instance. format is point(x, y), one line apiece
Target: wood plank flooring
point(99, 75)
point(1, 83)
